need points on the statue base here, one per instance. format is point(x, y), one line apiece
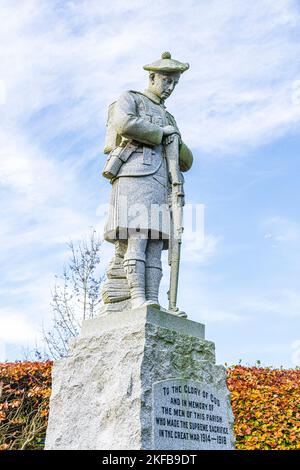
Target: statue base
point(140, 379)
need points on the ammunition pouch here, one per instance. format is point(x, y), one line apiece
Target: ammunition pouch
point(116, 158)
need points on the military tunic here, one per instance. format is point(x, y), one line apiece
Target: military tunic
point(139, 197)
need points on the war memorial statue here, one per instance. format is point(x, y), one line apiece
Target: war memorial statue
point(146, 158)
point(141, 376)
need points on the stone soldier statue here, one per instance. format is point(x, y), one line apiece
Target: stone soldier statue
point(139, 130)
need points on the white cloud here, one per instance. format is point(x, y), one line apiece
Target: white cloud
point(15, 327)
point(62, 63)
point(282, 303)
point(280, 230)
point(295, 358)
point(2, 92)
point(77, 56)
point(219, 315)
point(198, 250)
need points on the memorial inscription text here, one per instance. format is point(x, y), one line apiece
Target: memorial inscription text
point(189, 411)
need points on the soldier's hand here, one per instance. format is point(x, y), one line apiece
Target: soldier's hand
point(168, 130)
point(169, 139)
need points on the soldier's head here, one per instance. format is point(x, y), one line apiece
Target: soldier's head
point(163, 84)
point(164, 75)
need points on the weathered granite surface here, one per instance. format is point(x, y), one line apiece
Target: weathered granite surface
point(102, 392)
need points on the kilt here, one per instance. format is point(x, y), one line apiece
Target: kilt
point(139, 203)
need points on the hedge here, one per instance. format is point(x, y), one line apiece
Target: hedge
point(266, 406)
point(265, 402)
point(25, 388)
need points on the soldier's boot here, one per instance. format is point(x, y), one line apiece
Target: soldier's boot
point(153, 278)
point(135, 273)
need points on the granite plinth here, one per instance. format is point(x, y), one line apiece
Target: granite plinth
point(107, 394)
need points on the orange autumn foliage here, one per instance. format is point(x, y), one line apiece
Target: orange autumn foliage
point(265, 403)
point(266, 406)
point(25, 388)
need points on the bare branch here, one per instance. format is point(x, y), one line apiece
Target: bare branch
point(76, 294)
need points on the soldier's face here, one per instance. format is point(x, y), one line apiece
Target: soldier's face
point(163, 85)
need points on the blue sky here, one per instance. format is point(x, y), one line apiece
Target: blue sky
point(238, 107)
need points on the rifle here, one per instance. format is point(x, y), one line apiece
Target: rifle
point(176, 218)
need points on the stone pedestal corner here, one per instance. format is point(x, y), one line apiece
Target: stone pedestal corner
point(141, 379)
